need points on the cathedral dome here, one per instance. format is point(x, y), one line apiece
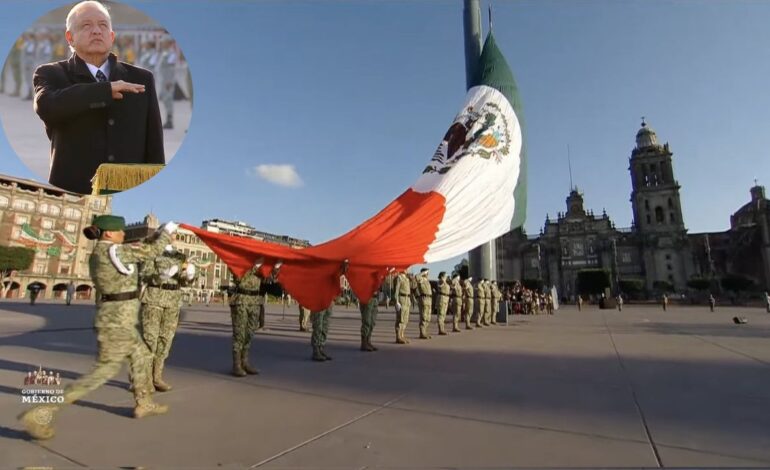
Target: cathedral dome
point(646, 137)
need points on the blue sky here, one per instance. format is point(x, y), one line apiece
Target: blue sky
point(357, 94)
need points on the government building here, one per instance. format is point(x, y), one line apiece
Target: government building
point(656, 249)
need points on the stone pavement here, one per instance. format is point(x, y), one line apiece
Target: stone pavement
point(25, 132)
point(639, 388)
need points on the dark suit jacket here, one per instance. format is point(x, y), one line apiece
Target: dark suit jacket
point(87, 127)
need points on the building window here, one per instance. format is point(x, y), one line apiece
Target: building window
point(671, 278)
point(668, 256)
point(23, 205)
point(648, 219)
point(577, 248)
point(672, 217)
point(40, 268)
point(21, 219)
point(3, 201)
point(64, 269)
point(41, 254)
point(647, 204)
point(43, 208)
point(46, 223)
point(659, 216)
point(670, 204)
point(54, 210)
point(71, 213)
point(668, 266)
point(15, 233)
point(625, 257)
point(96, 204)
point(70, 227)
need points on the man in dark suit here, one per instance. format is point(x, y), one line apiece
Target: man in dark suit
point(96, 109)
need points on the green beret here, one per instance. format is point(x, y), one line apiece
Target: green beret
point(109, 223)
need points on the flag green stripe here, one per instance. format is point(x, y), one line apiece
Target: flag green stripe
point(493, 71)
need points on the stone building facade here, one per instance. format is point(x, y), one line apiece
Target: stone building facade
point(656, 247)
point(49, 221)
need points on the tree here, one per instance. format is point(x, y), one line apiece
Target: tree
point(14, 258)
point(592, 281)
point(736, 283)
point(664, 286)
point(631, 286)
point(699, 283)
point(462, 269)
point(532, 284)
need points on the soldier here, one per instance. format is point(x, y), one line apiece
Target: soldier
point(304, 317)
point(167, 75)
point(14, 62)
point(579, 303)
point(320, 330)
point(444, 290)
point(468, 302)
point(368, 320)
point(426, 302)
point(161, 302)
point(116, 278)
point(712, 302)
point(244, 308)
point(456, 302)
point(480, 293)
point(767, 302)
point(664, 301)
point(620, 302)
point(403, 292)
point(488, 300)
point(29, 58)
point(496, 296)
point(70, 292)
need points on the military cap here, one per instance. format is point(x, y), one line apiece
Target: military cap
point(109, 223)
point(424, 270)
point(442, 274)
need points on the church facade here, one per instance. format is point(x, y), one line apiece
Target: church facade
point(655, 249)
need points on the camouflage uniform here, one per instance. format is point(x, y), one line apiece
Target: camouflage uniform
point(456, 302)
point(304, 317)
point(403, 306)
point(244, 309)
point(426, 303)
point(496, 296)
point(480, 295)
point(320, 330)
point(468, 303)
point(443, 303)
point(115, 275)
point(368, 320)
point(161, 302)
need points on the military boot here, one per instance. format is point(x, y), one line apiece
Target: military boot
point(369, 345)
point(157, 377)
point(146, 407)
point(400, 336)
point(317, 355)
point(38, 421)
point(363, 343)
point(456, 326)
point(238, 365)
point(323, 353)
point(245, 363)
point(169, 122)
point(423, 333)
point(441, 329)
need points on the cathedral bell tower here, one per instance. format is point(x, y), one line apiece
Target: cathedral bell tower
point(658, 212)
point(655, 195)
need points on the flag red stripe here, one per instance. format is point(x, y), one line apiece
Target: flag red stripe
point(398, 237)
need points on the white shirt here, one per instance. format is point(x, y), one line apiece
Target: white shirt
point(105, 68)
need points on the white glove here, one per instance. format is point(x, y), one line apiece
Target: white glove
point(398, 306)
point(169, 273)
point(170, 227)
point(190, 272)
point(169, 248)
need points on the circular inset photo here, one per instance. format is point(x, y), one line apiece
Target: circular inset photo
point(95, 97)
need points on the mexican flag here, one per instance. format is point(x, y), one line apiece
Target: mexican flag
point(472, 190)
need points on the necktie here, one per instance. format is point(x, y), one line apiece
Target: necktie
point(100, 77)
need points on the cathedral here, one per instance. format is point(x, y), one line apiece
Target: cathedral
point(656, 250)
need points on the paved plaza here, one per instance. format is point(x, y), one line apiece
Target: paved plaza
point(641, 388)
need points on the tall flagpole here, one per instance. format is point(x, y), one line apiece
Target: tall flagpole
point(481, 260)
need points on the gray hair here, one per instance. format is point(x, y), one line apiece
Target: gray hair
point(74, 11)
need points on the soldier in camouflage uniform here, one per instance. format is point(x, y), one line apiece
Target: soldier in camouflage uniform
point(304, 317)
point(403, 292)
point(320, 330)
point(161, 302)
point(488, 301)
point(468, 302)
point(444, 290)
point(426, 302)
point(480, 295)
point(115, 275)
point(496, 296)
point(455, 303)
point(244, 309)
point(368, 320)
